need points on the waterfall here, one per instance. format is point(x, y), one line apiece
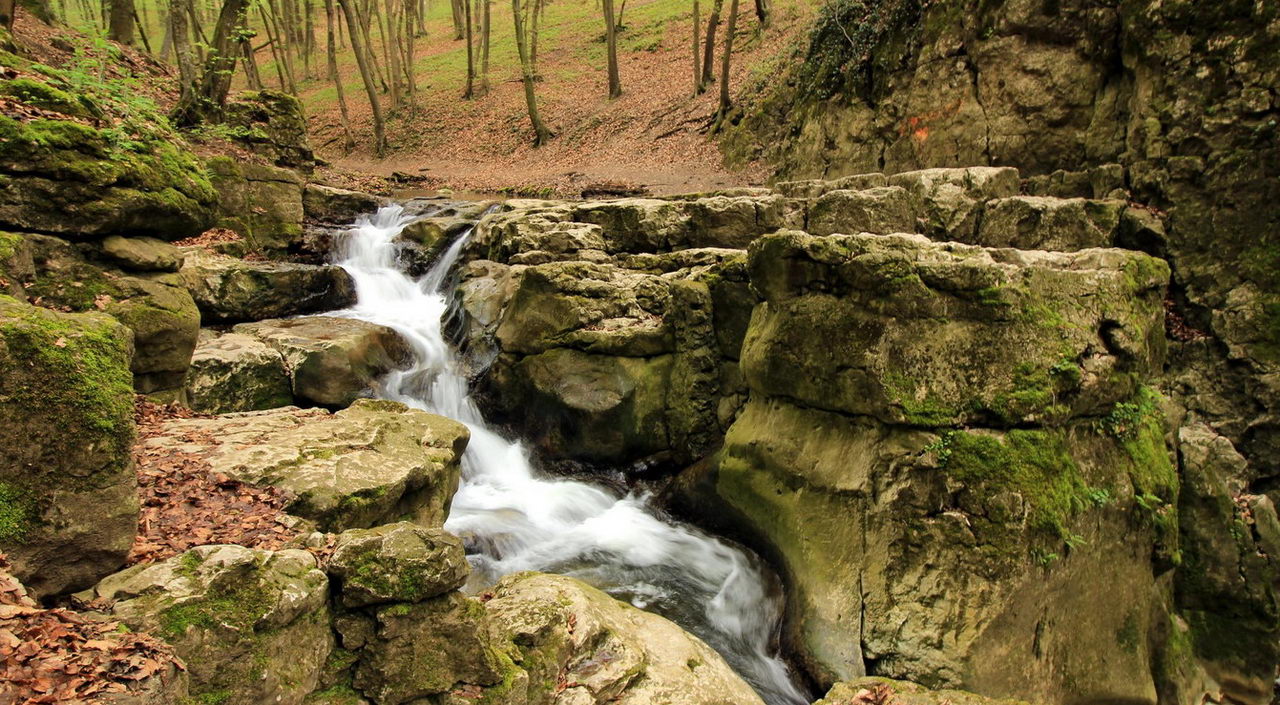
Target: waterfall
point(514, 519)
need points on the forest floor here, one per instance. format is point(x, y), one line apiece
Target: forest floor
point(654, 137)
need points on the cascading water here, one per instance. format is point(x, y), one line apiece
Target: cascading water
point(513, 520)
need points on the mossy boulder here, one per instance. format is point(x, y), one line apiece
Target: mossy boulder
point(948, 203)
point(261, 203)
point(252, 626)
point(272, 124)
point(411, 652)
point(68, 502)
point(940, 334)
point(71, 179)
point(155, 306)
point(953, 559)
point(1039, 223)
point(236, 372)
point(570, 642)
point(229, 289)
point(331, 361)
point(370, 464)
point(400, 562)
point(882, 210)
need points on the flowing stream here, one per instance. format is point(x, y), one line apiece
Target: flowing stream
point(513, 519)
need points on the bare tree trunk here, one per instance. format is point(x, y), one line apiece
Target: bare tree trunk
point(166, 44)
point(391, 49)
point(484, 52)
point(249, 61)
point(120, 26)
point(709, 46)
point(469, 93)
point(332, 56)
point(362, 60)
point(456, 6)
point(179, 12)
point(277, 60)
point(697, 68)
point(533, 52)
point(724, 61)
point(308, 37)
point(8, 9)
point(410, 20)
point(281, 46)
point(764, 12)
point(542, 135)
point(611, 44)
point(207, 103)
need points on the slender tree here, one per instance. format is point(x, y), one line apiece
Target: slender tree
point(8, 10)
point(470, 92)
point(362, 61)
point(484, 50)
point(697, 68)
point(724, 62)
point(120, 22)
point(611, 43)
point(179, 12)
point(331, 53)
point(764, 12)
point(542, 135)
point(205, 104)
point(709, 46)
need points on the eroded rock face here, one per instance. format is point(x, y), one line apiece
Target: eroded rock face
point(331, 361)
point(560, 630)
point(252, 626)
point(68, 502)
point(231, 290)
point(236, 372)
point(372, 463)
point(261, 203)
point(934, 334)
point(399, 562)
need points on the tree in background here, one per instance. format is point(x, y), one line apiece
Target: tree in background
point(611, 42)
point(542, 135)
point(358, 46)
point(697, 68)
point(709, 47)
point(120, 14)
point(205, 100)
point(723, 110)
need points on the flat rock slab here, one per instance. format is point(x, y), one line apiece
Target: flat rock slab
point(331, 361)
point(229, 289)
point(367, 465)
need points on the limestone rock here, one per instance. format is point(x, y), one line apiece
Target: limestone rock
point(904, 693)
point(252, 626)
point(948, 202)
point(236, 372)
point(431, 648)
point(336, 205)
point(366, 465)
point(142, 254)
point(272, 124)
point(399, 562)
point(813, 188)
point(938, 334)
point(156, 307)
point(68, 502)
point(230, 289)
point(561, 630)
point(880, 210)
point(261, 203)
point(331, 361)
point(1038, 223)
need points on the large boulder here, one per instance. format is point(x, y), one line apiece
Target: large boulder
point(229, 289)
point(252, 626)
point(141, 254)
point(328, 204)
point(409, 652)
point(68, 502)
point(573, 642)
point(373, 463)
point(262, 203)
point(1039, 223)
point(948, 203)
point(939, 334)
point(882, 210)
point(236, 372)
point(331, 361)
point(273, 125)
point(69, 178)
point(399, 562)
point(154, 305)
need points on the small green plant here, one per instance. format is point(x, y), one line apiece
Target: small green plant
point(1042, 557)
point(1126, 418)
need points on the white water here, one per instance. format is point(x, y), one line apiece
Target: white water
point(514, 519)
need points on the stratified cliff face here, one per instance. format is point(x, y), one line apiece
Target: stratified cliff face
point(1181, 94)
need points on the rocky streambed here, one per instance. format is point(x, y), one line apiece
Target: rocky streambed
point(939, 407)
